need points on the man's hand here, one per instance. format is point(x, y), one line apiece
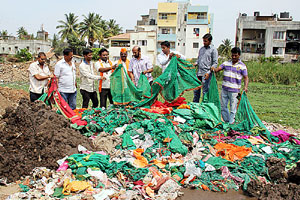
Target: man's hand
point(114, 66)
point(246, 89)
point(51, 76)
point(103, 78)
point(212, 69)
point(145, 72)
point(195, 65)
point(178, 56)
point(171, 55)
point(206, 76)
point(76, 84)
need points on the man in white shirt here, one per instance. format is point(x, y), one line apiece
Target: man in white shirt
point(65, 71)
point(106, 68)
point(39, 75)
point(139, 64)
point(87, 80)
point(166, 55)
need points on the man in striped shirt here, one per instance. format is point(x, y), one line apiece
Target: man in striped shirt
point(234, 71)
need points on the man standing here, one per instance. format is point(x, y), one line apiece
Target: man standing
point(234, 71)
point(140, 64)
point(65, 71)
point(123, 60)
point(87, 78)
point(207, 58)
point(166, 55)
point(39, 75)
point(105, 67)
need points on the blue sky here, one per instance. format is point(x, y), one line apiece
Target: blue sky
point(33, 13)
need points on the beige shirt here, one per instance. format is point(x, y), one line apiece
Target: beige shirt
point(37, 86)
point(102, 64)
point(88, 77)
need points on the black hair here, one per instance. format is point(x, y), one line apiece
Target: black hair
point(166, 43)
point(67, 51)
point(87, 51)
point(208, 36)
point(102, 50)
point(41, 54)
point(235, 50)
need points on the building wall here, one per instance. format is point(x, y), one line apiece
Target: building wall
point(114, 52)
point(12, 46)
point(167, 8)
point(192, 38)
point(148, 49)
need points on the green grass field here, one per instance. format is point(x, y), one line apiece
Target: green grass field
point(272, 103)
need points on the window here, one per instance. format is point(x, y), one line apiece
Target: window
point(183, 44)
point(185, 17)
point(278, 51)
point(178, 44)
point(3, 49)
point(163, 16)
point(9, 48)
point(133, 42)
point(178, 29)
point(195, 45)
point(142, 43)
point(165, 31)
point(196, 32)
point(278, 35)
point(185, 30)
point(16, 49)
point(27, 48)
point(202, 15)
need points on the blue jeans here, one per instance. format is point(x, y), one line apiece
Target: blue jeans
point(233, 101)
point(205, 86)
point(70, 98)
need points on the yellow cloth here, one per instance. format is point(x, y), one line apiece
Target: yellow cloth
point(75, 186)
point(140, 161)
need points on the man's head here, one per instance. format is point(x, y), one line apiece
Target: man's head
point(136, 51)
point(207, 38)
point(42, 58)
point(235, 54)
point(123, 54)
point(165, 47)
point(68, 54)
point(88, 54)
point(103, 54)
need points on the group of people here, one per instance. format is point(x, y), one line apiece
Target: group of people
point(90, 71)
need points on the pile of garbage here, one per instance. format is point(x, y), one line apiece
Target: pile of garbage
point(32, 135)
point(151, 153)
point(16, 72)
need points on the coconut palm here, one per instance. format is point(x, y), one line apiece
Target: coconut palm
point(113, 27)
point(225, 48)
point(69, 26)
point(22, 32)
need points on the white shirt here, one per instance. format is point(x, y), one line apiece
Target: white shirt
point(87, 76)
point(102, 64)
point(164, 60)
point(139, 66)
point(37, 86)
point(66, 75)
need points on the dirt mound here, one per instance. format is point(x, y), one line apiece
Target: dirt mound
point(10, 97)
point(14, 72)
point(283, 184)
point(32, 136)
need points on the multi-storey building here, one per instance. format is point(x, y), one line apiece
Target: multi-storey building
point(268, 36)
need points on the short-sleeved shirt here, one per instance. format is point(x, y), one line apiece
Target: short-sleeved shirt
point(102, 64)
point(233, 75)
point(66, 75)
point(139, 66)
point(163, 59)
point(207, 58)
point(37, 86)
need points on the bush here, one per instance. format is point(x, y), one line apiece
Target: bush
point(157, 71)
point(96, 53)
point(23, 55)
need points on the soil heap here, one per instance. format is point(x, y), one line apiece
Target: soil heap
point(32, 135)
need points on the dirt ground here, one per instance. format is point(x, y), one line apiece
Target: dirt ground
point(10, 97)
point(32, 136)
point(16, 72)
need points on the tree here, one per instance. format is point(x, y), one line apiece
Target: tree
point(76, 45)
point(225, 48)
point(91, 28)
point(55, 41)
point(23, 55)
point(113, 27)
point(22, 32)
point(69, 27)
point(4, 33)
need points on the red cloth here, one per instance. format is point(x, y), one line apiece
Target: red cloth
point(64, 107)
point(178, 102)
point(159, 104)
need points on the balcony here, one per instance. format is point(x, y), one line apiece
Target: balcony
point(166, 37)
point(197, 21)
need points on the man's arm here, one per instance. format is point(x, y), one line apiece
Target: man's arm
point(215, 58)
point(149, 67)
point(131, 77)
point(246, 82)
point(41, 78)
point(162, 60)
point(87, 74)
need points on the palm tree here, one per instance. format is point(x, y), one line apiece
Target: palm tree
point(91, 28)
point(68, 27)
point(4, 33)
point(113, 27)
point(22, 32)
point(225, 48)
